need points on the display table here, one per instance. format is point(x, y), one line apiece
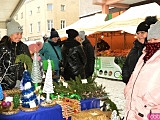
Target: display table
point(50, 113)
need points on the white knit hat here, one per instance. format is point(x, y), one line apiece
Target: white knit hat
point(154, 31)
point(82, 35)
point(13, 27)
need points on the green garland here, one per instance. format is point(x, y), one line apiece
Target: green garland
point(24, 59)
point(78, 90)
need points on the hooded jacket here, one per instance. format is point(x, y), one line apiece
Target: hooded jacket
point(142, 91)
point(74, 59)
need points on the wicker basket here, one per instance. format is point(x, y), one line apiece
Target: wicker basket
point(10, 110)
point(13, 91)
point(92, 114)
point(29, 109)
point(45, 104)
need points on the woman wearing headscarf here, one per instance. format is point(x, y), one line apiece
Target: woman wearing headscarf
point(73, 56)
point(89, 51)
point(142, 91)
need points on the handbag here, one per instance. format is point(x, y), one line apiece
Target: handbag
point(153, 116)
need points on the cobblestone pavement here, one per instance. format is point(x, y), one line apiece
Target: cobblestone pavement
point(115, 89)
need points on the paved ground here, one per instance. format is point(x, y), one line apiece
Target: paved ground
point(115, 89)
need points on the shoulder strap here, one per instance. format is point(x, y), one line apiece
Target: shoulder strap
point(55, 52)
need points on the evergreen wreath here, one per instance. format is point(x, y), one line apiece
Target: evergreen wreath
point(23, 58)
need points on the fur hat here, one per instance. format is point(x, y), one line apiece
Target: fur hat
point(36, 47)
point(72, 33)
point(82, 35)
point(145, 25)
point(53, 33)
point(154, 31)
point(13, 27)
point(45, 38)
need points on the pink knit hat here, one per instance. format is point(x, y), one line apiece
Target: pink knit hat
point(36, 47)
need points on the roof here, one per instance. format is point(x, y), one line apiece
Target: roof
point(9, 8)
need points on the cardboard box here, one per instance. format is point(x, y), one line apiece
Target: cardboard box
point(92, 114)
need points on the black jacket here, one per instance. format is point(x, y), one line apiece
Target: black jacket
point(9, 71)
point(131, 60)
point(74, 59)
point(89, 51)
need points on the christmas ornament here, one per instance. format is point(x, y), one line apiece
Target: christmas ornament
point(29, 98)
point(36, 73)
point(48, 87)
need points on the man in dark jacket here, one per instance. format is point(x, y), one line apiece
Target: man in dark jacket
point(102, 45)
point(89, 51)
point(136, 51)
point(73, 56)
point(10, 72)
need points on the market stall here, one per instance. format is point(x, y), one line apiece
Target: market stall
point(119, 34)
point(109, 63)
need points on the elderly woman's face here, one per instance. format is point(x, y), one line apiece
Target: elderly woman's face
point(16, 37)
point(154, 40)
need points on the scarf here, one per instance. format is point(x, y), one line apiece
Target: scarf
point(151, 48)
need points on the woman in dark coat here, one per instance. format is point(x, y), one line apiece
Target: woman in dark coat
point(73, 56)
point(11, 73)
point(89, 51)
point(136, 51)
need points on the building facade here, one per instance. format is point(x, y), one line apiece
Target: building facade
point(38, 16)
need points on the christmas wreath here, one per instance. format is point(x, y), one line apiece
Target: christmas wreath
point(24, 59)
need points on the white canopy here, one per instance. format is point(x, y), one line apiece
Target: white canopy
point(129, 20)
point(85, 23)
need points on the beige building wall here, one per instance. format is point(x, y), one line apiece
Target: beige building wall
point(35, 11)
point(87, 8)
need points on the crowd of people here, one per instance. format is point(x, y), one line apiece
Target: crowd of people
point(75, 55)
point(140, 71)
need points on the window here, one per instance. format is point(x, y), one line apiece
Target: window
point(49, 7)
point(21, 15)
point(63, 24)
point(38, 9)
point(30, 12)
point(62, 7)
point(30, 28)
point(50, 24)
point(38, 27)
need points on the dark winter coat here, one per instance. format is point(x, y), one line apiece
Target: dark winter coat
point(74, 59)
point(89, 51)
point(131, 60)
point(9, 71)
